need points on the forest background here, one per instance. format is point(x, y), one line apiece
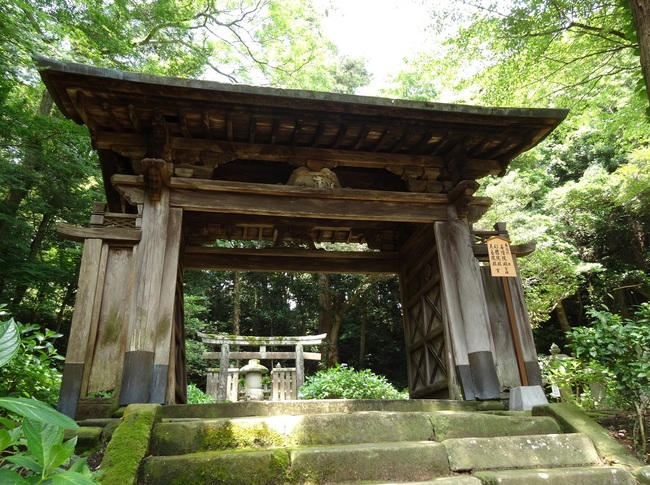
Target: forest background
point(583, 195)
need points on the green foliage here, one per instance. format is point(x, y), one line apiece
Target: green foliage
point(620, 345)
point(342, 382)
point(197, 396)
point(32, 371)
point(34, 451)
point(9, 340)
point(588, 386)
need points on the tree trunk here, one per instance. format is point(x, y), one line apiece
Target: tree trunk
point(236, 302)
point(34, 250)
point(641, 16)
point(362, 334)
point(333, 342)
point(324, 313)
point(562, 318)
point(16, 195)
point(68, 300)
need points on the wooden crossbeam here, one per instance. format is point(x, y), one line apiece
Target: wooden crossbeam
point(262, 355)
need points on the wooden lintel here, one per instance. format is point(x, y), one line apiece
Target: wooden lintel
point(308, 261)
point(262, 355)
point(225, 338)
point(121, 234)
point(272, 200)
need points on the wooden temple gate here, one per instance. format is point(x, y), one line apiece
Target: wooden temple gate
point(186, 163)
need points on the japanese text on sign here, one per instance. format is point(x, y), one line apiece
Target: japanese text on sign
point(501, 262)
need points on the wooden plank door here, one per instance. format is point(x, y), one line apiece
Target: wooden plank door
point(425, 326)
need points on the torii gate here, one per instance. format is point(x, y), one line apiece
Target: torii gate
point(186, 163)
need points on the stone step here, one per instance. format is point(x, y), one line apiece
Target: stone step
point(398, 461)
point(321, 406)
point(553, 450)
point(401, 461)
point(562, 476)
point(188, 436)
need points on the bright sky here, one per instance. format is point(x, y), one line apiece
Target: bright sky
point(381, 31)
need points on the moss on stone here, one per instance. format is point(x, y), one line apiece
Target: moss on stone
point(231, 436)
point(88, 438)
point(481, 425)
point(130, 444)
point(573, 420)
point(226, 468)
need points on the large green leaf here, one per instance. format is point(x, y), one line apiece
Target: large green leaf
point(38, 411)
point(60, 454)
point(8, 476)
point(9, 437)
point(72, 478)
point(9, 341)
point(25, 461)
point(42, 439)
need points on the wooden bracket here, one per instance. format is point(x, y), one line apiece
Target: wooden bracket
point(461, 196)
point(156, 175)
point(418, 178)
point(159, 141)
point(455, 162)
point(313, 165)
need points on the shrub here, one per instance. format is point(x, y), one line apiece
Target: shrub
point(620, 345)
point(343, 382)
point(31, 372)
point(197, 396)
point(32, 446)
point(584, 385)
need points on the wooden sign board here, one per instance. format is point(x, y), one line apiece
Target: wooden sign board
point(501, 263)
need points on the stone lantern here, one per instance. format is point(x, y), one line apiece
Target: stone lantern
point(253, 372)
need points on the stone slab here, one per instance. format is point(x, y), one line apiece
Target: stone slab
point(552, 450)
point(481, 425)
point(573, 476)
point(524, 398)
point(456, 480)
point(573, 420)
point(130, 444)
point(171, 438)
point(642, 475)
point(459, 480)
point(317, 406)
point(386, 461)
point(88, 437)
point(217, 468)
point(361, 427)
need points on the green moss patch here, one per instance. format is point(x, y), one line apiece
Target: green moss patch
point(130, 444)
point(227, 468)
point(233, 435)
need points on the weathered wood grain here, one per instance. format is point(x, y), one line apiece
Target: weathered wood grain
point(150, 263)
point(268, 355)
point(220, 339)
point(80, 234)
point(465, 304)
point(83, 311)
point(316, 261)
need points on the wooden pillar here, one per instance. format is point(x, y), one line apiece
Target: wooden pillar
point(466, 309)
point(74, 370)
point(166, 310)
point(146, 317)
